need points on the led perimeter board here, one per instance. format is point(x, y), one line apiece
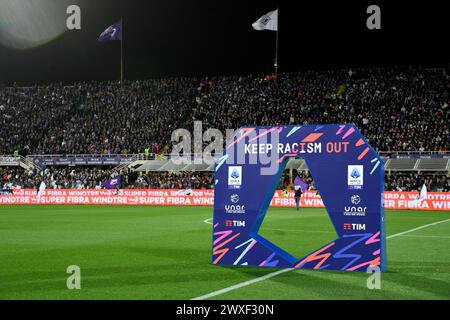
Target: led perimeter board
point(347, 172)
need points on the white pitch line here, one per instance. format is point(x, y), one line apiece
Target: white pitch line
point(242, 284)
point(274, 274)
point(415, 229)
point(423, 236)
point(207, 221)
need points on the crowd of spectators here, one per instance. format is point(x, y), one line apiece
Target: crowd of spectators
point(397, 109)
point(93, 118)
point(92, 177)
point(55, 178)
point(437, 182)
point(179, 180)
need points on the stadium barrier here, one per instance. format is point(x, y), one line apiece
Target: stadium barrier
point(203, 197)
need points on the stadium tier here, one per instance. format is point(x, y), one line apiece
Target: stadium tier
point(91, 177)
point(397, 109)
point(77, 136)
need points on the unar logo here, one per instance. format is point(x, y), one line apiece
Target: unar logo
point(353, 210)
point(234, 208)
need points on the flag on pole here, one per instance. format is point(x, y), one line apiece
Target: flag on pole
point(112, 33)
point(299, 183)
point(268, 21)
point(423, 193)
point(42, 188)
point(111, 183)
point(422, 196)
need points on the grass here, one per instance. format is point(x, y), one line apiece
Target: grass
point(127, 252)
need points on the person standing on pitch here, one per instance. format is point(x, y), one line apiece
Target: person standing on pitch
point(299, 187)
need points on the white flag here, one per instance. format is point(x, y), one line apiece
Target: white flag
point(42, 187)
point(268, 21)
point(422, 196)
point(423, 193)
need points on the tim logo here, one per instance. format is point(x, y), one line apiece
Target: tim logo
point(234, 223)
point(354, 226)
point(234, 177)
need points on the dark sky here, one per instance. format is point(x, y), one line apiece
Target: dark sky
point(198, 37)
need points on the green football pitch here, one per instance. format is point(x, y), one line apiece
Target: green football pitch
point(165, 253)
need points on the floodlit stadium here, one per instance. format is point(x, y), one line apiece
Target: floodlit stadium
point(118, 180)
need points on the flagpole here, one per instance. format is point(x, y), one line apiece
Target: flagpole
point(121, 56)
point(276, 44)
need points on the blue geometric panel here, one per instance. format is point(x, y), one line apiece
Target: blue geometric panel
point(348, 174)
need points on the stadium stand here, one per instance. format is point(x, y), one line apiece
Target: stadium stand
point(411, 105)
point(78, 136)
point(91, 178)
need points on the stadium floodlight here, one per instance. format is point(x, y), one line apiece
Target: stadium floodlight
point(348, 174)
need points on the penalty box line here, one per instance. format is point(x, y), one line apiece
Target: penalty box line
point(276, 273)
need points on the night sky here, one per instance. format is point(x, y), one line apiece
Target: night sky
point(165, 38)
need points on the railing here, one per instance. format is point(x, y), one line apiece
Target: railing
point(415, 154)
point(389, 154)
point(124, 165)
point(14, 160)
point(192, 156)
point(87, 159)
point(119, 159)
point(30, 164)
point(83, 155)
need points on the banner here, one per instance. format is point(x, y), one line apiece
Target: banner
point(9, 161)
point(112, 183)
point(87, 160)
point(203, 197)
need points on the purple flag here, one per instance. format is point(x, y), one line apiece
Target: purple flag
point(112, 183)
point(112, 33)
point(302, 184)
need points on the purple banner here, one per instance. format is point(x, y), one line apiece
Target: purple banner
point(302, 184)
point(88, 160)
point(112, 183)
